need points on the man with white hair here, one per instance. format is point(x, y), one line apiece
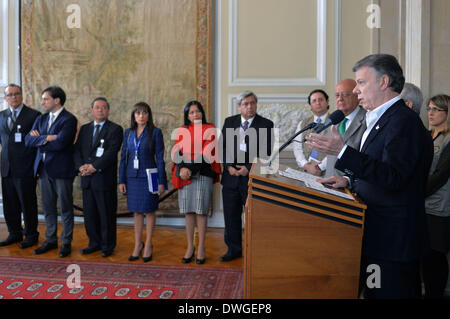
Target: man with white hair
point(412, 96)
point(245, 136)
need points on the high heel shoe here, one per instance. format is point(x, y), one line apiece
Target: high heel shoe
point(134, 258)
point(188, 260)
point(199, 261)
point(147, 259)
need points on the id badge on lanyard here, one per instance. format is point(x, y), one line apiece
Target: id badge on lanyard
point(18, 135)
point(136, 148)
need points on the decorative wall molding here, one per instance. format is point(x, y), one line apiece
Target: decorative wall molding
point(337, 40)
point(268, 98)
point(417, 44)
point(4, 46)
point(285, 110)
point(320, 78)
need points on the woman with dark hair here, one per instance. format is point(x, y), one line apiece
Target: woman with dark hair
point(194, 170)
point(143, 148)
point(437, 201)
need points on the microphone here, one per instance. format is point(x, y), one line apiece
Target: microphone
point(335, 118)
point(307, 127)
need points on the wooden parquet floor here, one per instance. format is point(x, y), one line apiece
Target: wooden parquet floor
point(169, 245)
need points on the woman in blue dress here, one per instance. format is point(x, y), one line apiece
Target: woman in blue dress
point(143, 147)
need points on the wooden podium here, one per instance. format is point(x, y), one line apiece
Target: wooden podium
point(299, 242)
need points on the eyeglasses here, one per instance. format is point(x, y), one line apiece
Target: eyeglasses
point(434, 109)
point(13, 94)
point(343, 94)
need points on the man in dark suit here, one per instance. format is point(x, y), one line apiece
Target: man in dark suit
point(389, 173)
point(53, 136)
point(18, 182)
point(245, 137)
point(96, 161)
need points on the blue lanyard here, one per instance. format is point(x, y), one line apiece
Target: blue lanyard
point(136, 146)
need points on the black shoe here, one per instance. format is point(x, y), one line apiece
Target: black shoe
point(134, 258)
point(200, 261)
point(107, 253)
point(188, 260)
point(147, 259)
point(65, 251)
point(28, 243)
point(45, 247)
point(11, 240)
point(228, 257)
point(89, 250)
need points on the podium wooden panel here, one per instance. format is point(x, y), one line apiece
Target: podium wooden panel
point(300, 243)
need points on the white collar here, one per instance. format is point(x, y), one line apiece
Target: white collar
point(352, 115)
point(56, 114)
point(322, 118)
point(373, 116)
point(18, 110)
point(250, 120)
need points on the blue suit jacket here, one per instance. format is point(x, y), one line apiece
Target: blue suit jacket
point(146, 159)
point(58, 161)
point(390, 175)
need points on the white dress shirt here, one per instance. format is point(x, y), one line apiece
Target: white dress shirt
point(372, 118)
point(298, 145)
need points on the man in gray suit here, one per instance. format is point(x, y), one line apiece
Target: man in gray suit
point(354, 123)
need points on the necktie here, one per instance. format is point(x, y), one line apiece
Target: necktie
point(245, 126)
point(343, 126)
point(96, 132)
point(12, 120)
point(314, 152)
point(50, 122)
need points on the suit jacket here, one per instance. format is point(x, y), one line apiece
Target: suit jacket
point(58, 153)
point(105, 177)
point(17, 159)
point(231, 153)
point(352, 137)
point(146, 159)
point(390, 174)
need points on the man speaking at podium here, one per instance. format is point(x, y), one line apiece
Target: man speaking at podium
point(388, 172)
point(244, 137)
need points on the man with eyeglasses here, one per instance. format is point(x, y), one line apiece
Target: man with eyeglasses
point(18, 181)
point(354, 124)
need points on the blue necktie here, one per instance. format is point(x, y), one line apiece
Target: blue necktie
point(314, 152)
point(96, 133)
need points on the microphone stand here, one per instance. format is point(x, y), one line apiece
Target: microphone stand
point(308, 127)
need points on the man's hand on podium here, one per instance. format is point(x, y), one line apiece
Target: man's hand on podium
point(334, 181)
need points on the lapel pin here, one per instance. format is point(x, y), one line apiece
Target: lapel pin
point(378, 127)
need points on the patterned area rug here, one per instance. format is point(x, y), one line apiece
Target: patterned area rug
point(30, 278)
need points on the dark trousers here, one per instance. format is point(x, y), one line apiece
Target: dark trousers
point(100, 218)
point(435, 274)
point(51, 191)
point(399, 280)
point(19, 196)
point(233, 202)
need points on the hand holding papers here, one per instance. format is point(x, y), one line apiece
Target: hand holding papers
point(310, 181)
